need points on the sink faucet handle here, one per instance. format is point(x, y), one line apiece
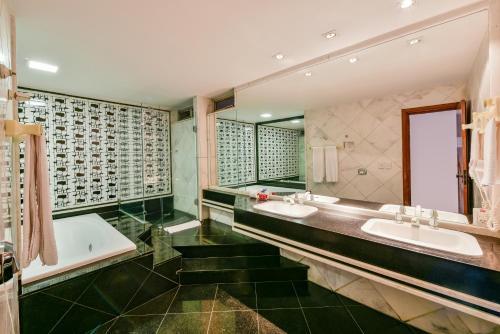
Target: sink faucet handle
point(433, 220)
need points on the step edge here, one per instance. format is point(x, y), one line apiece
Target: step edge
point(303, 267)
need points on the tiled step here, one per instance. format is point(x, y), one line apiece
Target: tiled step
point(225, 250)
point(240, 269)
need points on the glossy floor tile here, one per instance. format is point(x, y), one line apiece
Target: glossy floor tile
point(193, 298)
point(331, 320)
point(311, 295)
point(136, 324)
point(239, 308)
point(272, 295)
point(237, 322)
point(189, 323)
point(235, 296)
point(282, 321)
point(373, 322)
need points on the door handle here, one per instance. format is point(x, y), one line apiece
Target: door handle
point(8, 262)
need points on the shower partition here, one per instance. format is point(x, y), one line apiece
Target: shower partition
point(157, 166)
point(131, 163)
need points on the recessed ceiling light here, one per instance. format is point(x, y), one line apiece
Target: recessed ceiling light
point(414, 41)
point(42, 66)
point(295, 121)
point(266, 115)
point(308, 74)
point(330, 34)
point(279, 56)
point(406, 3)
point(353, 60)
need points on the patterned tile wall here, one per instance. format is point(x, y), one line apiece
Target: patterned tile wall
point(95, 148)
point(130, 153)
point(374, 125)
point(235, 152)
point(278, 152)
point(156, 144)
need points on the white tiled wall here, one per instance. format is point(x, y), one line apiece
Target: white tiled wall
point(374, 125)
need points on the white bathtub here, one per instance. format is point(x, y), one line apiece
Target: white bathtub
point(80, 240)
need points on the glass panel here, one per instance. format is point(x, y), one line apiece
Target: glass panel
point(130, 162)
point(184, 167)
point(158, 168)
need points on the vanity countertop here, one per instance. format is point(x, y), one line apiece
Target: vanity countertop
point(350, 224)
point(344, 237)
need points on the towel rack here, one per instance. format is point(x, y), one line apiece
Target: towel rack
point(337, 146)
point(480, 119)
point(15, 129)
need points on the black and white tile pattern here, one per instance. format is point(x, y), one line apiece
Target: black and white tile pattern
point(95, 149)
point(278, 151)
point(235, 152)
point(130, 152)
point(156, 148)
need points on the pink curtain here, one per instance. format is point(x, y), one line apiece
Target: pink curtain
point(38, 230)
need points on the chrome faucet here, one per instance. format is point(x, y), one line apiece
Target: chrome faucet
point(433, 220)
point(415, 221)
point(289, 199)
point(399, 214)
point(308, 195)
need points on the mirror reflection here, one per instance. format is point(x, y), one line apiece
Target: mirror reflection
point(370, 138)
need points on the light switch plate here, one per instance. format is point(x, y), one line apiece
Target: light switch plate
point(362, 171)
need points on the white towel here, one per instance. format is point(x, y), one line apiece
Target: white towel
point(318, 160)
point(490, 155)
point(331, 164)
point(474, 152)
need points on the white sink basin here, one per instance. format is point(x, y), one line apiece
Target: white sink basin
point(324, 199)
point(426, 213)
point(286, 209)
point(442, 239)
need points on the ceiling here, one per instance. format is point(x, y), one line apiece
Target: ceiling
point(445, 54)
point(163, 52)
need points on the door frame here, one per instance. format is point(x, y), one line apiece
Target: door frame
point(405, 121)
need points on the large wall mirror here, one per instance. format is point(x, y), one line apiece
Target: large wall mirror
point(254, 151)
point(359, 110)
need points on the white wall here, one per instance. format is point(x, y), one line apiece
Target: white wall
point(433, 158)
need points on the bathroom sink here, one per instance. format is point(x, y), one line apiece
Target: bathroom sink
point(286, 209)
point(426, 213)
point(441, 239)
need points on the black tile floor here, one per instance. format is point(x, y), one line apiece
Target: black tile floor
point(264, 307)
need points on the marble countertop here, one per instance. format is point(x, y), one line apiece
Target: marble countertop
point(349, 224)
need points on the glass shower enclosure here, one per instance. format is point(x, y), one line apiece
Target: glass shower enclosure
point(157, 166)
